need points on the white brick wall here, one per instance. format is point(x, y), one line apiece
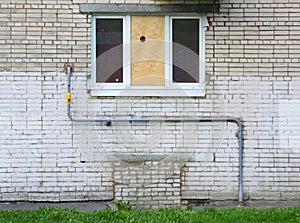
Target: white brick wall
point(253, 49)
point(252, 73)
point(38, 158)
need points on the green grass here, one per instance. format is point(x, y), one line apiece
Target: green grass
point(239, 215)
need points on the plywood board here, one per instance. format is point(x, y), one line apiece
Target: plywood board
point(148, 53)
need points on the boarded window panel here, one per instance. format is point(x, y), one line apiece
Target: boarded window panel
point(185, 50)
point(147, 51)
point(109, 50)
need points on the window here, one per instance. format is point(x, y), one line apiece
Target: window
point(109, 38)
point(148, 55)
point(185, 33)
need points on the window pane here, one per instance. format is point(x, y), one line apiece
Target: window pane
point(148, 53)
point(185, 50)
point(109, 50)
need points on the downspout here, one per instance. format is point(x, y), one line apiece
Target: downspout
point(69, 68)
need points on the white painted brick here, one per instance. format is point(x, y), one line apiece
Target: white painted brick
point(252, 73)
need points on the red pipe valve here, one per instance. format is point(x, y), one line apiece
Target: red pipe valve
point(67, 65)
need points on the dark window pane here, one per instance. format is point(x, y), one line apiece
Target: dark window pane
point(185, 50)
point(109, 50)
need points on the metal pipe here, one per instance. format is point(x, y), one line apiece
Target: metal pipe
point(108, 122)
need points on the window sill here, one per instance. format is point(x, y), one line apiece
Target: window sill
point(157, 92)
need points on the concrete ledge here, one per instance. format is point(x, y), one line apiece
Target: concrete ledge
point(102, 205)
point(209, 195)
point(144, 157)
point(84, 206)
point(136, 157)
point(148, 8)
point(193, 195)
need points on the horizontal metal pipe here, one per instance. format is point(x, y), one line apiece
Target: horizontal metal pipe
point(108, 122)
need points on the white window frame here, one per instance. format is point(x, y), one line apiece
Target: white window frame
point(170, 88)
point(97, 88)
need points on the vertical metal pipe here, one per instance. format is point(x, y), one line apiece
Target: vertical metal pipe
point(241, 146)
point(69, 78)
point(69, 91)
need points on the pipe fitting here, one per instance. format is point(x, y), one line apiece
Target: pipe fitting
point(68, 98)
point(69, 65)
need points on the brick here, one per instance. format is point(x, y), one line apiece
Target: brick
point(34, 29)
point(252, 51)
